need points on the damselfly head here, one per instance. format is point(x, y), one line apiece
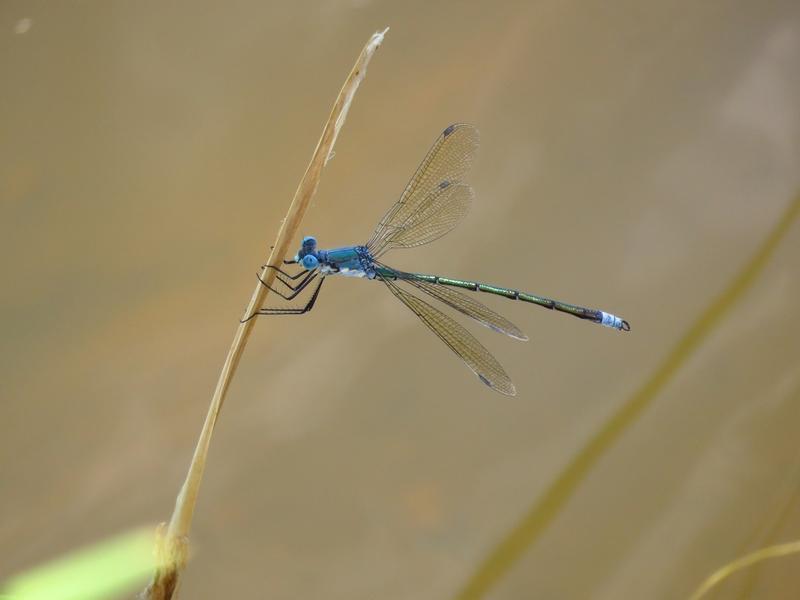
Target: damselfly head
point(310, 262)
point(309, 247)
point(309, 243)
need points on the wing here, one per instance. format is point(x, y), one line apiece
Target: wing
point(436, 198)
point(460, 341)
point(441, 211)
point(470, 307)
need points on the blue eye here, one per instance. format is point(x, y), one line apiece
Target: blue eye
point(310, 262)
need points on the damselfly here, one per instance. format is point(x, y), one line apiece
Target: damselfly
point(433, 203)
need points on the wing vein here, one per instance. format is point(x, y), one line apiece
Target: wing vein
point(436, 199)
point(458, 339)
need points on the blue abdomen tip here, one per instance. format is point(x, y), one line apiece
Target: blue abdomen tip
point(613, 321)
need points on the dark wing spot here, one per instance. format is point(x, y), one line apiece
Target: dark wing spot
point(484, 380)
point(443, 184)
point(449, 130)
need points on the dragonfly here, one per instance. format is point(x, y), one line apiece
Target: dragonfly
point(435, 201)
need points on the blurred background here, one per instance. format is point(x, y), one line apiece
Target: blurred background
point(635, 157)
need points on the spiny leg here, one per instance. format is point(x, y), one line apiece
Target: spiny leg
point(289, 311)
point(283, 281)
point(286, 262)
point(284, 273)
point(295, 290)
point(301, 285)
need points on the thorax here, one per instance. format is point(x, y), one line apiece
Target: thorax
point(350, 261)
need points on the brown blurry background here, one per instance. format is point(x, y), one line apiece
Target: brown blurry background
point(634, 157)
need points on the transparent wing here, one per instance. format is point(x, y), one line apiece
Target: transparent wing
point(470, 307)
point(442, 210)
point(460, 341)
point(436, 198)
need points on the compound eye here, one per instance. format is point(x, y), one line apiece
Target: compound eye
point(309, 243)
point(310, 262)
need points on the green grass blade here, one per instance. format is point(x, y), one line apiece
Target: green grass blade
point(545, 509)
point(97, 572)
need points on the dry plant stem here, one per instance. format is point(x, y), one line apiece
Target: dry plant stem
point(743, 563)
point(172, 543)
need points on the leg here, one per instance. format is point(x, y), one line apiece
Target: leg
point(295, 290)
point(284, 273)
point(289, 311)
point(288, 284)
point(286, 262)
point(304, 274)
point(280, 273)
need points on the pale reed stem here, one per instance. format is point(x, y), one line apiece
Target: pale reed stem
point(173, 539)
